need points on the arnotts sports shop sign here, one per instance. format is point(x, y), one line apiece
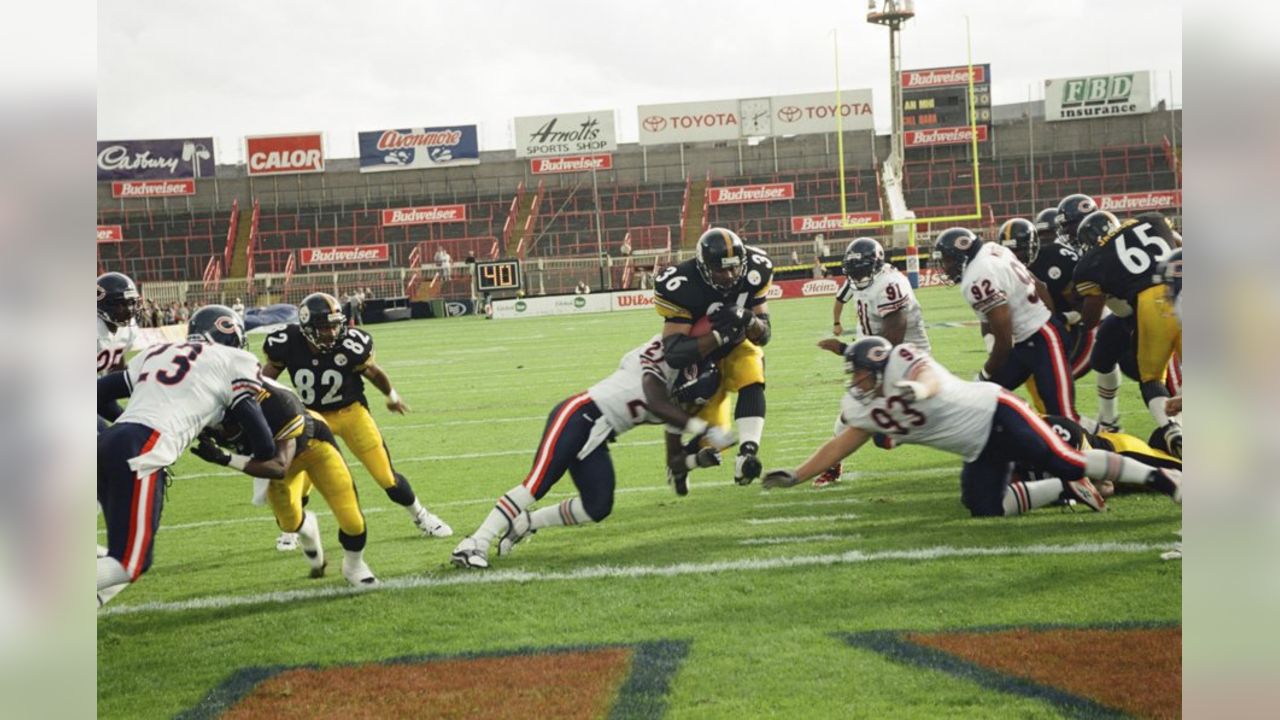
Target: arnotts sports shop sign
point(750, 193)
point(565, 134)
point(801, 224)
point(1095, 96)
point(424, 215)
point(1140, 202)
point(575, 163)
point(155, 159)
point(345, 254)
point(284, 154)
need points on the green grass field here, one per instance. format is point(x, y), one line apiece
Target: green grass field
point(759, 584)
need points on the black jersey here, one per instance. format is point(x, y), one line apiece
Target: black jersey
point(680, 293)
point(286, 417)
point(1055, 266)
point(324, 381)
point(1125, 262)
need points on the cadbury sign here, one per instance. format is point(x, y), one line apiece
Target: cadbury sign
point(345, 254)
point(155, 159)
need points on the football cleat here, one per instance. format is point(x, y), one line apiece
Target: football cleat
point(521, 528)
point(1173, 438)
point(431, 525)
point(1107, 427)
point(1083, 492)
point(679, 482)
point(309, 540)
point(1168, 482)
point(830, 476)
point(102, 551)
point(287, 541)
point(359, 574)
point(748, 467)
point(469, 555)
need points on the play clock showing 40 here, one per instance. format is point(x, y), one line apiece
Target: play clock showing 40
point(497, 275)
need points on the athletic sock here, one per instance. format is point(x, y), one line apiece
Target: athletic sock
point(1108, 390)
point(750, 429)
point(1103, 466)
point(1021, 497)
point(111, 572)
point(1156, 408)
point(504, 512)
point(568, 512)
point(414, 508)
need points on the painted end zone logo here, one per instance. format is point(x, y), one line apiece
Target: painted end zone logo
point(751, 193)
point(424, 215)
point(110, 233)
point(1137, 202)
point(573, 163)
point(829, 223)
point(345, 254)
point(152, 188)
point(942, 136)
point(284, 154)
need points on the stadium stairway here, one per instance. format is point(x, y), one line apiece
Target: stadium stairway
point(520, 230)
point(240, 255)
point(692, 229)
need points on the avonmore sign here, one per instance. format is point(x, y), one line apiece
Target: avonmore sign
point(345, 254)
point(1140, 202)
point(574, 163)
point(801, 224)
point(284, 154)
point(751, 193)
point(152, 188)
point(424, 215)
point(942, 136)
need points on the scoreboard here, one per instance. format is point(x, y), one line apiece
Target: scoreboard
point(497, 275)
point(937, 99)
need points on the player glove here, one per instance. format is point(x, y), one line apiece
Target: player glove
point(207, 451)
point(883, 441)
point(730, 322)
point(780, 479)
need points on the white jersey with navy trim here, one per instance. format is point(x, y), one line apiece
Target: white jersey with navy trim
point(112, 345)
point(956, 419)
point(889, 292)
point(621, 395)
point(994, 277)
point(178, 389)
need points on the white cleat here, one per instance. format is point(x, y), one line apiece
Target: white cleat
point(102, 551)
point(520, 529)
point(431, 525)
point(287, 541)
point(469, 555)
point(359, 574)
point(309, 539)
point(1083, 492)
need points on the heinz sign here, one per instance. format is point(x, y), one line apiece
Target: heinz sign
point(345, 254)
point(750, 193)
point(424, 215)
point(801, 224)
point(284, 154)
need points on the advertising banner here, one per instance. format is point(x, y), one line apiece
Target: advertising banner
point(565, 134)
point(691, 122)
point(790, 289)
point(942, 136)
point(557, 305)
point(633, 300)
point(750, 193)
point(943, 77)
point(415, 148)
point(801, 224)
point(1094, 96)
point(155, 159)
point(284, 154)
point(424, 215)
point(573, 163)
point(1129, 203)
point(816, 112)
point(152, 188)
point(344, 254)
point(110, 233)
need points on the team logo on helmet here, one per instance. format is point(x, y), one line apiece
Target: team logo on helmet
point(102, 293)
point(964, 242)
point(225, 324)
point(304, 315)
point(878, 354)
point(1087, 205)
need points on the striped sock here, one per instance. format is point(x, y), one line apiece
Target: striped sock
point(1021, 497)
point(504, 512)
point(1103, 466)
point(1108, 390)
point(569, 512)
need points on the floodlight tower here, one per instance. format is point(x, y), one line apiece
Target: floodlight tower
point(892, 14)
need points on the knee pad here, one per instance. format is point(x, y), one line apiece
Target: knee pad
point(354, 543)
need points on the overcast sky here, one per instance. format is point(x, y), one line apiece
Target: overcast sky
point(184, 68)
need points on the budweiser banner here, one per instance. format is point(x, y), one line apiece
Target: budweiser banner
point(565, 134)
point(284, 154)
point(110, 233)
point(1080, 98)
point(424, 215)
point(152, 188)
point(942, 136)
point(944, 77)
point(1140, 201)
point(155, 159)
point(345, 254)
point(573, 163)
point(750, 193)
point(816, 112)
point(692, 122)
point(801, 224)
point(409, 148)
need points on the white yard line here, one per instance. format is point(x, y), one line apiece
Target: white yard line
point(800, 519)
point(787, 539)
point(602, 572)
point(807, 503)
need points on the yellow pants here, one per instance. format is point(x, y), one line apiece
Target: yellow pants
point(1159, 334)
point(355, 426)
point(320, 464)
point(743, 366)
point(1138, 449)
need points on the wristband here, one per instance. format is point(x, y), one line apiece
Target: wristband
point(393, 396)
point(695, 426)
point(237, 462)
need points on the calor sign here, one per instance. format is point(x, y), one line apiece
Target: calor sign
point(424, 215)
point(833, 222)
point(284, 154)
point(345, 254)
point(750, 193)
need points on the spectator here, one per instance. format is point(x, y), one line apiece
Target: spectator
point(819, 271)
point(582, 289)
point(643, 278)
point(795, 257)
point(183, 313)
point(445, 262)
point(625, 248)
point(238, 307)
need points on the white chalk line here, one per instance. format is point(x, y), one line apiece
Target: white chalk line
point(800, 519)
point(807, 503)
point(788, 539)
point(601, 572)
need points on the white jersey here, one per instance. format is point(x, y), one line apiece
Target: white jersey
point(621, 395)
point(994, 277)
point(957, 419)
point(889, 292)
point(179, 389)
point(113, 345)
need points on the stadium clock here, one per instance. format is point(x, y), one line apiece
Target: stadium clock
point(497, 275)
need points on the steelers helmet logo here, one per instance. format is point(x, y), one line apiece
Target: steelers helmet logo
point(304, 315)
point(225, 324)
point(878, 354)
point(339, 359)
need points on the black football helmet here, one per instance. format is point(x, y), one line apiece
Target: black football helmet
point(1071, 211)
point(952, 251)
point(321, 320)
point(216, 324)
point(1020, 236)
point(695, 385)
point(872, 354)
point(117, 298)
point(863, 260)
point(1094, 227)
point(1047, 225)
point(722, 258)
point(1171, 273)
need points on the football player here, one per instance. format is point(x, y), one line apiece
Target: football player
point(575, 440)
point(1147, 452)
point(1028, 340)
point(306, 454)
point(174, 391)
point(1071, 210)
point(117, 312)
point(885, 304)
point(903, 393)
point(1119, 270)
point(729, 282)
point(328, 364)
